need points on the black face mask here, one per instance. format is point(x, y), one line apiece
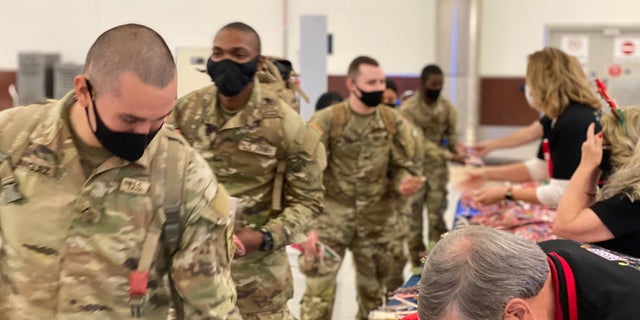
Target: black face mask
point(231, 77)
point(125, 145)
point(432, 94)
point(372, 98)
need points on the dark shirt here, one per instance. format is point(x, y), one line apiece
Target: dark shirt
point(622, 218)
point(607, 284)
point(566, 136)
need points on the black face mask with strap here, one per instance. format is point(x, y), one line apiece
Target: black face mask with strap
point(126, 145)
point(231, 77)
point(372, 98)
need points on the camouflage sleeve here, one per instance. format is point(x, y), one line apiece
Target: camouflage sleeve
point(404, 160)
point(201, 267)
point(304, 190)
point(452, 127)
point(434, 158)
point(187, 111)
point(321, 121)
point(175, 116)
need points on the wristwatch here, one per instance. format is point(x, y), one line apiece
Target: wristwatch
point(267, 240)
point(509, 195)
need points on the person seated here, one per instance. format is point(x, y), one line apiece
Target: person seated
point(557, 86)
point(609, 218)
point(481, 273)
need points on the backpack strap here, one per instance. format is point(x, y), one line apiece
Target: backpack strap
point(166, 227)
point(338, 119)
point(172, 208)
point(278, 185)
point(389, 119)
point(18, 129)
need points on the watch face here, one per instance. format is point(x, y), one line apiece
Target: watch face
point(267, 241)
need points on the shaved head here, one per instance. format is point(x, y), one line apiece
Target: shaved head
point(243, 27)
point(129, 48)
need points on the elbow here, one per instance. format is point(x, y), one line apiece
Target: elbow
point(565, 229)
point(560, 230)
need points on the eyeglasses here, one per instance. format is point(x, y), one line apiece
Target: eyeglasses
point(617, 113)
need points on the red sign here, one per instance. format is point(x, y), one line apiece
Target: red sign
point(627, 48)
point(615, 70)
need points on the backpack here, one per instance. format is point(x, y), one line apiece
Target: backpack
point(340, 116)
point(19, 129)
point(278, 75)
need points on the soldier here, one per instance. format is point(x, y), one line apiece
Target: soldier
point(364, 139)
point(438, 119)
point(85, 181)
point(266, 156)
point(430, 156)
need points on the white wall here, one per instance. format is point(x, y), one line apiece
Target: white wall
point(512, 29)
point(399, 33)
point(71, 26)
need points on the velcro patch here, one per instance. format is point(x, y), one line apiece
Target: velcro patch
point(259, 149)
point(134, 186)
point(37, 166)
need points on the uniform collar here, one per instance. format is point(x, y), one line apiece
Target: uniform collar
point(248, 115)
point(54, 133)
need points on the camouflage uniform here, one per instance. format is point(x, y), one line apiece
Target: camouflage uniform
point(403, 207)
point(438, 123)
point(356, 215)
point(69, 245)
point(244, 153)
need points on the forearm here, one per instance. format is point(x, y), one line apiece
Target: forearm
point(520, 137)
point(580, 194)
point(291, 225)
point(516, 172)
point(212, 294)
point(525, 194)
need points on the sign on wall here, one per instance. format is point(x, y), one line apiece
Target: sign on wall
point(610, 53)
point(577, 46)
point(626, 48)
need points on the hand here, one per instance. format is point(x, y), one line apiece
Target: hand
point(251, 239)
point(461, 149)
point(482, 149)
point(474, 179)
point(592, 149)
point(489, 195)
point(310, 246)
point(410, 185)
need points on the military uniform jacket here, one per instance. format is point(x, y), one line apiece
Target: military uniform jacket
point(362, 158)
point(244, 153)
point(69, 245)
point(438, 122)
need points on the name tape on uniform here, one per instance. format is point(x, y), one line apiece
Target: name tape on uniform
point(134, 186)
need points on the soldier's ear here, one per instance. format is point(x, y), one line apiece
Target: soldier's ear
point(350, 83)
point(261, 62)
point(82, 90)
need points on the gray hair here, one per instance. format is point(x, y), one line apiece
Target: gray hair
point(473, 272)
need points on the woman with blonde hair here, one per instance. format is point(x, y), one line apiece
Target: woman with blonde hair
point(613, 221)
point(557, 87)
